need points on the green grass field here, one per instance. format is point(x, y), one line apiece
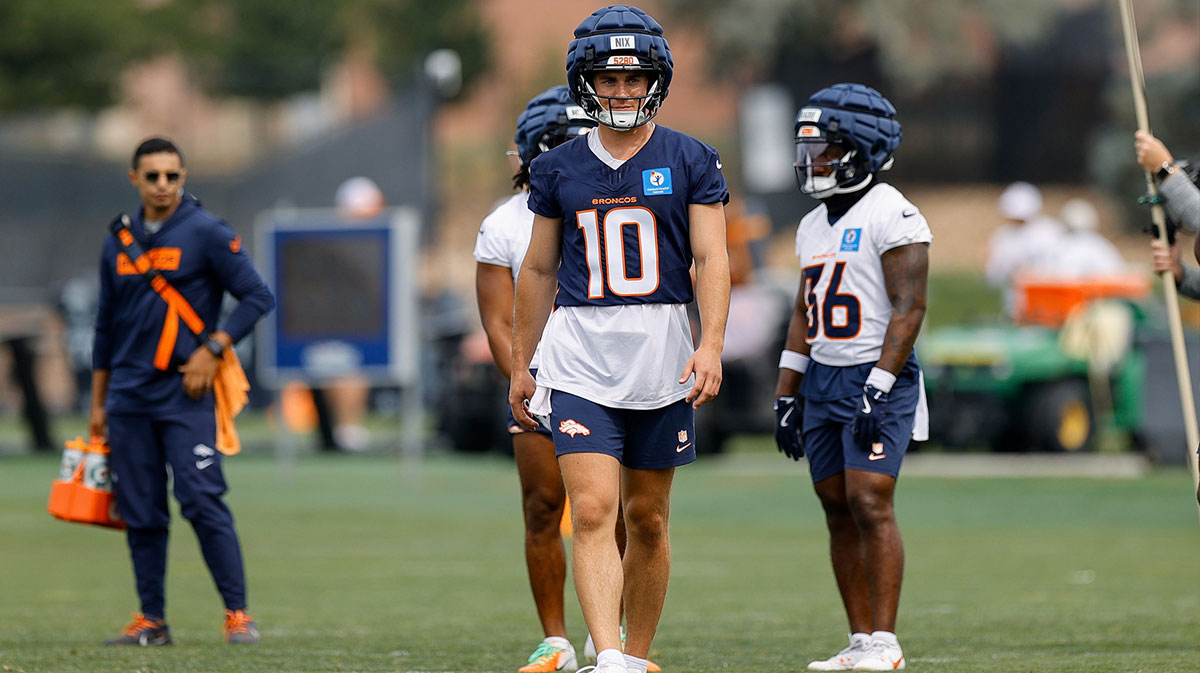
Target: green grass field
point(355, 564)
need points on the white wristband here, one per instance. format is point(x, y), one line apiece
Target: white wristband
point(882, 379)
point(797, 362)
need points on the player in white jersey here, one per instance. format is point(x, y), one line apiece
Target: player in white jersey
point(619, 220)
point(850, 393)
point(549, 120)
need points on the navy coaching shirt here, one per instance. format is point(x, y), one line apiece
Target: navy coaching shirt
point(200, 256)
point(625, 230)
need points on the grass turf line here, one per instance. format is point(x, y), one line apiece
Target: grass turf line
point(355, 566)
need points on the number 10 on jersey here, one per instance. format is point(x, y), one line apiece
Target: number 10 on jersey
point(614, 270)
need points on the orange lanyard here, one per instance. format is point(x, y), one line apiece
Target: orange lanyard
point(177, 306)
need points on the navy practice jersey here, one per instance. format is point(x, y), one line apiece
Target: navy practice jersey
point(200, 256)
point(625, 230)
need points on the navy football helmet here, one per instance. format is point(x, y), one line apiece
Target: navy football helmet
point(550, 119)
point(851, 129)
point(619, 37)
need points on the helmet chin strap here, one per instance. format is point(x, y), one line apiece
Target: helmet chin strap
point(619, 120)
point(836, 189)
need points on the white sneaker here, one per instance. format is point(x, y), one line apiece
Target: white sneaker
point(589, 653)
point(881, 656)
point(589, 649)
point(604, 668)
point(846, 659)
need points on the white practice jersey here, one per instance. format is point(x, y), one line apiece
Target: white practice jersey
point(848, 306)
point(504, 237)
point(627, 356)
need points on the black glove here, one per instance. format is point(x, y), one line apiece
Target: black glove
point(865, 426)
point(789, 411)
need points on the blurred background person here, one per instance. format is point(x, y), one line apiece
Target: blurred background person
point(1083, 251)
point(153, 388)
point(341, 402)
point(1028, 239)
point(1025, 245)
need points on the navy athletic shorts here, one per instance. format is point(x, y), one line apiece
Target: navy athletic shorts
point(640, 439)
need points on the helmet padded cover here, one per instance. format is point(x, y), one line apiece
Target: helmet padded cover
point(604, 34)
point(549, 110)
point(861, 116)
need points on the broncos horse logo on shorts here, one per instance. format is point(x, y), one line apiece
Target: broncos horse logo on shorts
point(573, 427)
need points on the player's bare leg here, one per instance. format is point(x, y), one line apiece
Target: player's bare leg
point(646, 496)
point(542, 499)
point(846, 552)
point(870, 497)
point(593, 482)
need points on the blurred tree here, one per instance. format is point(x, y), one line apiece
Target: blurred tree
point(68, 53)
point(71, 53)
point(267, 50)
point(253, 48)
point(918, 43)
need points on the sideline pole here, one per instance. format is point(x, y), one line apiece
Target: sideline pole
point(1138, 83)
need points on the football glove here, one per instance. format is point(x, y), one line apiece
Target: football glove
point(789, 411)
point(865, 427)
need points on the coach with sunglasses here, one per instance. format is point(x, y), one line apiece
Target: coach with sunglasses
point(152, 382)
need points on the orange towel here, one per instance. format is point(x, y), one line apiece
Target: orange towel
point(230, 387)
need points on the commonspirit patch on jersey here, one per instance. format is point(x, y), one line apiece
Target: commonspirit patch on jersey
point(850, 239)
point(656, 181)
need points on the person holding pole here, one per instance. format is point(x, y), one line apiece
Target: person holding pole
point(1137, 85)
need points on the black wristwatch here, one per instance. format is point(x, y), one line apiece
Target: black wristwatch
point(1165, 171)
point(214, 347)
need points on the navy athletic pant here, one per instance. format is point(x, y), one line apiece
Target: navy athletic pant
point(145, 450)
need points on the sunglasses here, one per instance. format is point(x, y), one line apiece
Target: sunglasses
point(152, 176)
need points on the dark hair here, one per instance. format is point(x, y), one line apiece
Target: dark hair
point(155, 146)
point(521, 177)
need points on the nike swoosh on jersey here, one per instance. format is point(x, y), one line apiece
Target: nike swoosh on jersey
point(681, 449)
point(201, 464)
point(876, 456)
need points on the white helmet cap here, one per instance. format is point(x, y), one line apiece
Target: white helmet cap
point(1079, 215)
point(1021, 201)
point(359, 196)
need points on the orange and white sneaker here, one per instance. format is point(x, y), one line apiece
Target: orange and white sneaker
point(552, 654)
point(883, 655)
point(240, 628)
point(845, 660)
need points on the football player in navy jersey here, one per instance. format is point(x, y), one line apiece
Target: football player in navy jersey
point(626, 210)
point(159, 417)
point(850, 393)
